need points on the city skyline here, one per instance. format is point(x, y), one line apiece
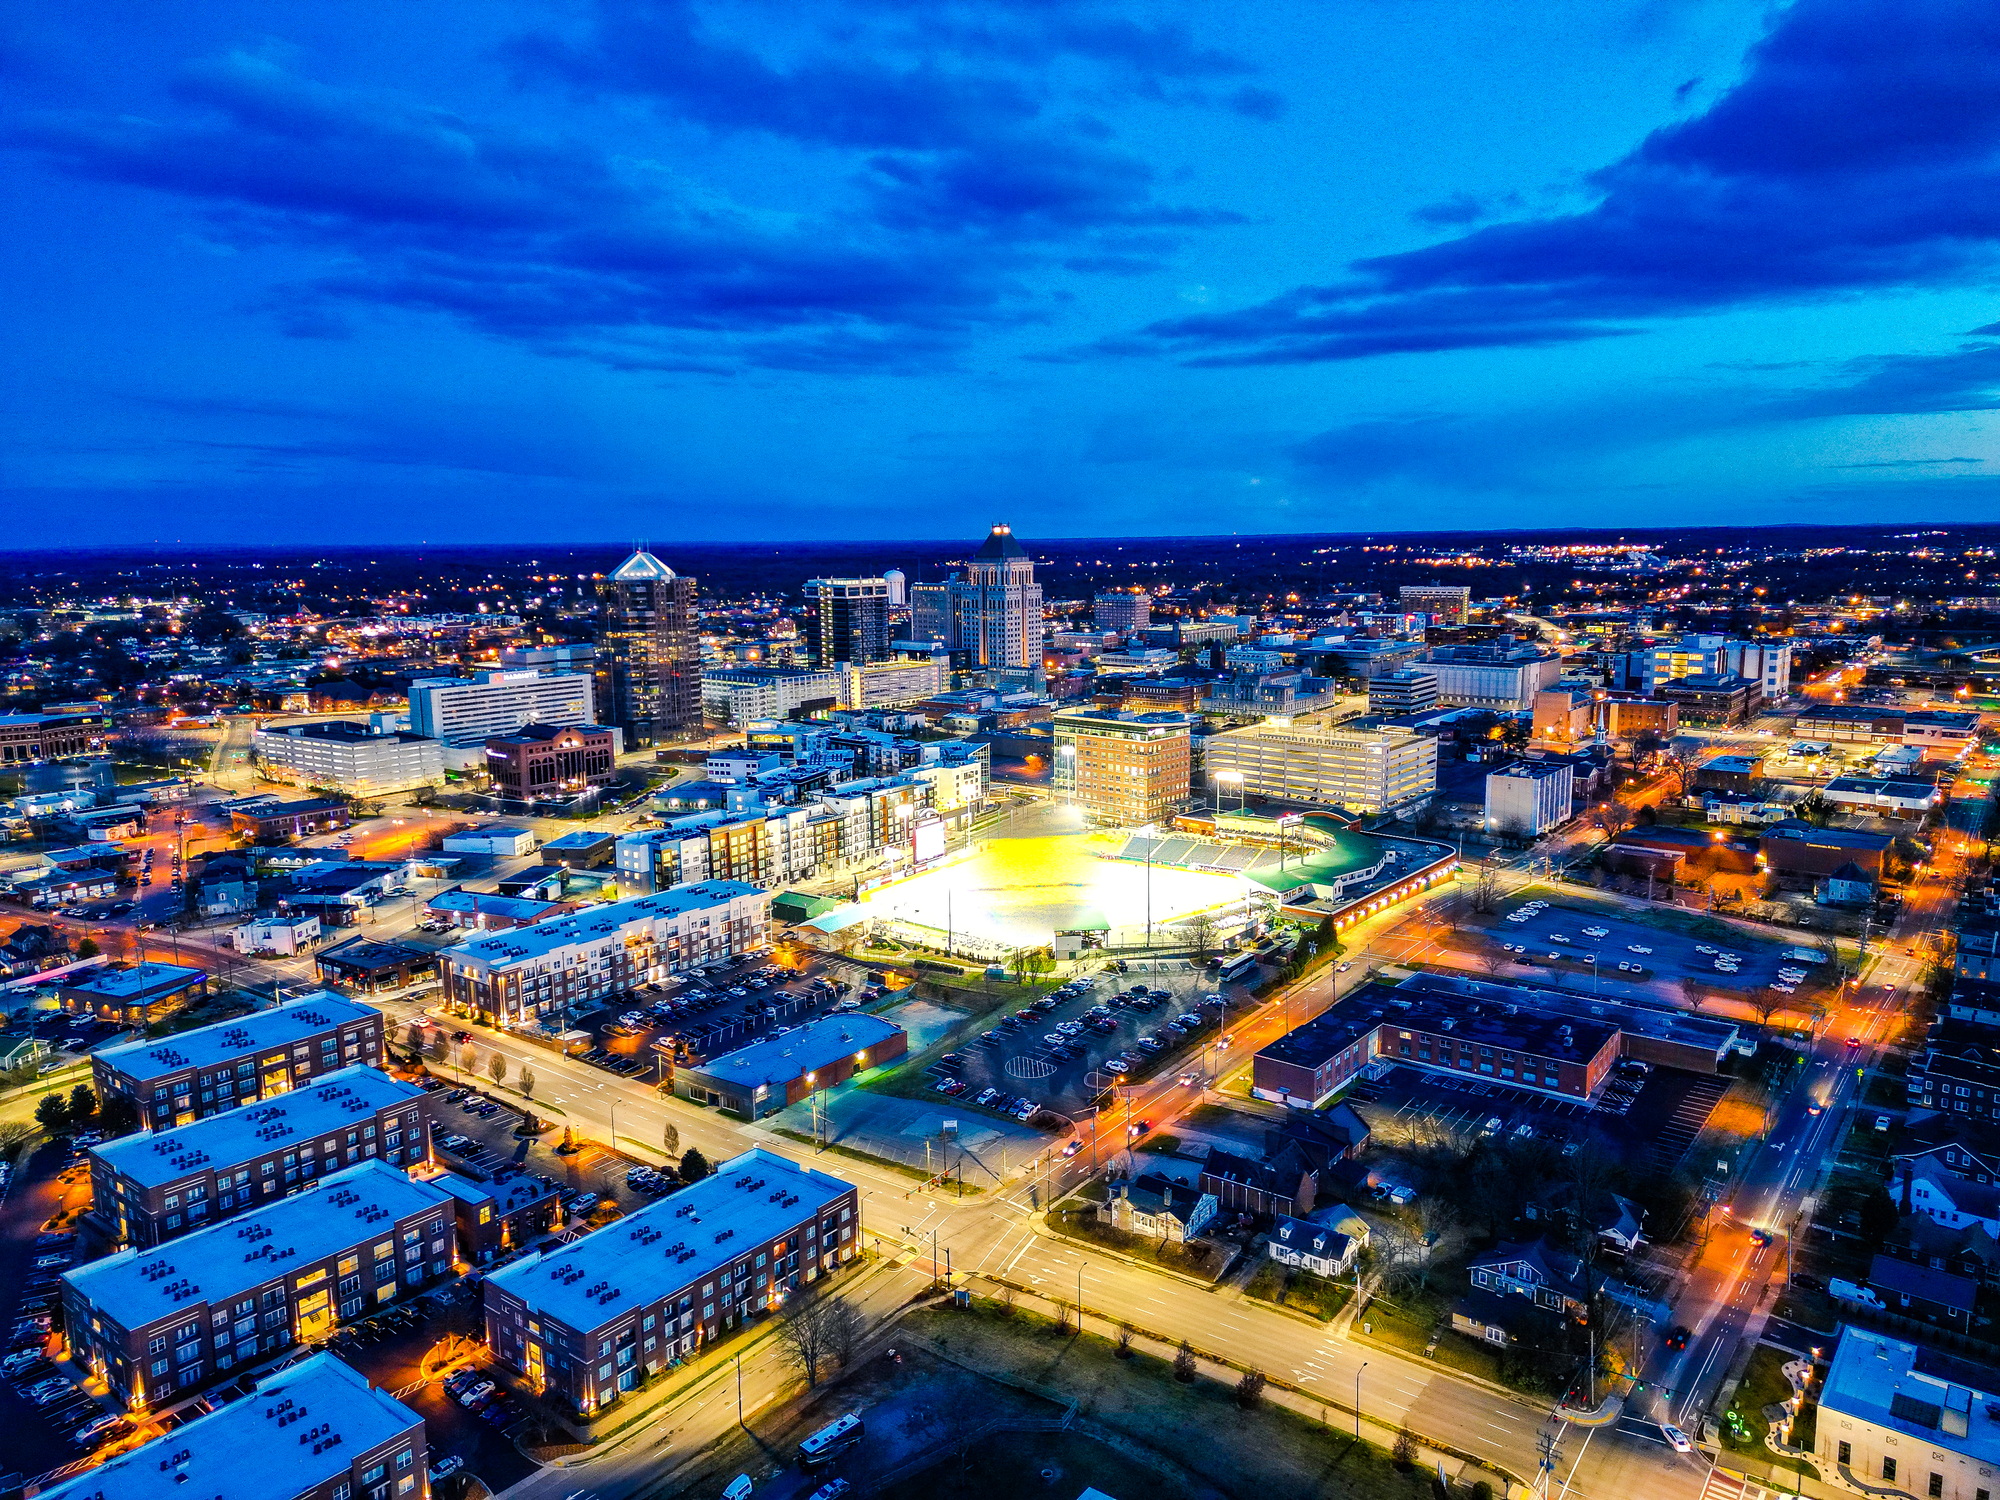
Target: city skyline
point(701, 273)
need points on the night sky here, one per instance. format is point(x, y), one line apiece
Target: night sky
point(433, 270)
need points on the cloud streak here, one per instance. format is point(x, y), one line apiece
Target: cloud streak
point(1860, 151)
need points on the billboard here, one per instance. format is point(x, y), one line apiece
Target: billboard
point(928, 839)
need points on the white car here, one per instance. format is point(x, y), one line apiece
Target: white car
point(1637, 948)
point(1703, 948)
point(1676, 1439)
point(1597, 932)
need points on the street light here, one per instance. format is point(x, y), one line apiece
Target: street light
point(1357, 1400)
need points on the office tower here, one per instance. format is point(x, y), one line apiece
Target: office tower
point(649, 662)
point(996, 615)
point(930, 613)
point(852, 623)
point(1123, 768)
point(1126, 611)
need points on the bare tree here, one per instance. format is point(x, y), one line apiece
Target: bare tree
point(815, 1333)
point(527, 1083)
point(670, 1138)
point(1200, 930)
point(497, 1066)
point(1485, 888)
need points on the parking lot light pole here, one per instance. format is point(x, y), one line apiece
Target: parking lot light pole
point(614, 1124)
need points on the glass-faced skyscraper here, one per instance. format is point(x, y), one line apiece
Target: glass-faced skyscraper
point(649, 661)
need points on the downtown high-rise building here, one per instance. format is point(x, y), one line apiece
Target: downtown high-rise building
point(649, 660)
point(851, 620)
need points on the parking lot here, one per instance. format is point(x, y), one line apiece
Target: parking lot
point(1651, 1114)
point(1062, 1051)
point(474, 1134)
point(391, 1351)
point(1633, 954)
point(642, 1035)
point(44, 1414)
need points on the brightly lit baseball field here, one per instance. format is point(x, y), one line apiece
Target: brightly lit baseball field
point(1019, 892)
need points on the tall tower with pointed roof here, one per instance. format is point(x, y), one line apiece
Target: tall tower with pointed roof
point(996, 608)
point(649, 661)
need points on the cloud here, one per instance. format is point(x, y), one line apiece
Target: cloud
point(1964, 379)
point(1860, 151)
point(975, 117)
point(963, 161)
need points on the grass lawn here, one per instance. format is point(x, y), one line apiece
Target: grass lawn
point(1763, 1383)
point(1266, 1451)
point(1408, 1327)
point(1299, 1290)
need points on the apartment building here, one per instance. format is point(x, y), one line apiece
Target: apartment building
point(850, 619)
point(357, 1443)
point(849, 824)
point(472, 710)
point(183, 1078)
point(589, 1321)
point(154, 1324)
point(343, 756)
point(159, 1185)
point(1362, 770)
point(1128, 769)
point(511, 978)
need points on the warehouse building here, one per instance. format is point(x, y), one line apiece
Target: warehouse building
point(767, 1075)
point(590, 1321)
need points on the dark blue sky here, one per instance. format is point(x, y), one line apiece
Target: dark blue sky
point(423, 269)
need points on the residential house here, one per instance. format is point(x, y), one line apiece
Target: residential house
point(1326, 1244)
point(1920, 1292)
point(1613, 1220)
point(1159, 1208)
point(1544, 1274)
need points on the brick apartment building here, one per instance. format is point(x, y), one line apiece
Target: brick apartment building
point(356, 1443)
point(181, 1078)
point(158, 1185)
point(589, 1321)
point(154, 1324)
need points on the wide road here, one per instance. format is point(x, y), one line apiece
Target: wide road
point(1000, 1235)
